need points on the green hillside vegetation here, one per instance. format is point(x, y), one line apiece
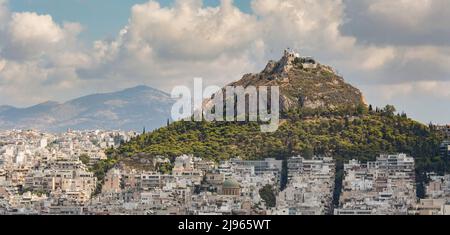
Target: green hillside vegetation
point(321, 115)
point(362, 135)
point(358, 133)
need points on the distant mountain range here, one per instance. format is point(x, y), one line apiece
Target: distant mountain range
point(130, 109)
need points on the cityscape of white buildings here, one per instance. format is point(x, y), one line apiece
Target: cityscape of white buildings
point(437, 201)
point(309, 188)
point(194, 187)
point(386, 186)
point(39, 172)
point(42, 173)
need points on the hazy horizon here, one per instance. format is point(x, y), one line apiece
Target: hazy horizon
point(395, 52)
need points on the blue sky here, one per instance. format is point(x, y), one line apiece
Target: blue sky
point(101, 19)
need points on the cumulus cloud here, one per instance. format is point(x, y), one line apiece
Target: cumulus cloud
point(29, 36)
point(221, 43)
point(189, 31)
point(167, 46)
point(38, 57)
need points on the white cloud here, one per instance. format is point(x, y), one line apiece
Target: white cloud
point(166, 46)
point(29, 26)
point(189, 31)
point(30, 36)
point(221, 43)
point(303, 24)
point(38, 58)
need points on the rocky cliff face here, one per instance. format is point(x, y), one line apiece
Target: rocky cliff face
point(304, 83)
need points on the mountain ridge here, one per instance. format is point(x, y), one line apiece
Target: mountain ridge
point(129, 109)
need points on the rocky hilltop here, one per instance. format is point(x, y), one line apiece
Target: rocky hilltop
point(322, 115)
point(305, 83)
